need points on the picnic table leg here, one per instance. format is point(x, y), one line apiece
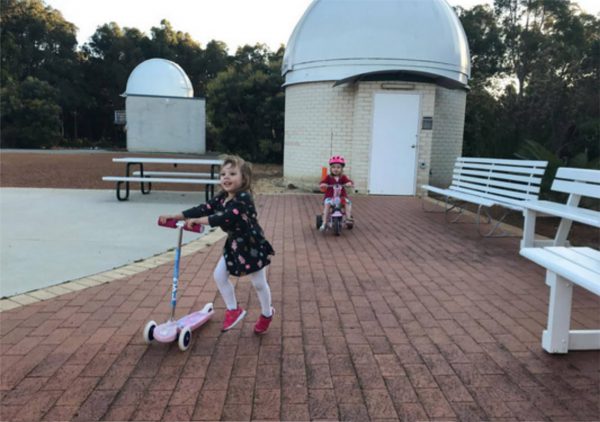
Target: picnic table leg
point(555, 338)
point(119, 191)
point(212, 176)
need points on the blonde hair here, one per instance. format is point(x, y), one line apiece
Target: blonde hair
point(245, 169)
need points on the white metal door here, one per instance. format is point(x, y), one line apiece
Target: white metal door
point(394, 144)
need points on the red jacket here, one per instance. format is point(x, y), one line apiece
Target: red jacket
point(330, 180)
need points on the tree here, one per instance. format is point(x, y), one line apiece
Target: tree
point(38, 46)
point(30, 114)
point(245, 107)
point(551, 52)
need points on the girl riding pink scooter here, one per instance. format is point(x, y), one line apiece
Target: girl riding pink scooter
point(335, 183)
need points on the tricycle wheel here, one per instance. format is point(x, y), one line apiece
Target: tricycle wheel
point(184, 339)
point(149, 332)
point(319, 221)
point(337, 226)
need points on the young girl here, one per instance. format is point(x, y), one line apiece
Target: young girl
point(336, 175)
point(246, 250)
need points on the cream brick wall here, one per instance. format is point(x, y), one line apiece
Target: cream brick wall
point(448, 129)
point(320, 119)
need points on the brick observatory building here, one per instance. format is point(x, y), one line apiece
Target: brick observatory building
point(383, 83)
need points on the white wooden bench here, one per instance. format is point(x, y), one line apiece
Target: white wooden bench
point(145, 178)
point(565, 265)
point(575, 182)
point(488, 182)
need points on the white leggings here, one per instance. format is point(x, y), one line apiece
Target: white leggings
point(259, 281)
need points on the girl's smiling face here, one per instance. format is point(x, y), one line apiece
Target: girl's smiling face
point(336, 169)
point(231, 179)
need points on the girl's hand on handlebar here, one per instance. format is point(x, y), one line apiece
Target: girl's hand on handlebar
point(163, 218)
point(191, 222)
point(349, 184)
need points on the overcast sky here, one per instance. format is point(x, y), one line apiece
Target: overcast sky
point(236, 22)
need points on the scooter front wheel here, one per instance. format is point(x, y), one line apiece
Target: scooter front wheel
point(184, 339)
point(149, 332)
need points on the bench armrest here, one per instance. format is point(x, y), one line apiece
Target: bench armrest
point(567, 213)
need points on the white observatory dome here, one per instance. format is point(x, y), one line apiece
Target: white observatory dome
point(159, 77)
point(340, 40)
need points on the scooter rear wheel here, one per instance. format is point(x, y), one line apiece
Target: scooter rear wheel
point(184, 339)
point(149, 332)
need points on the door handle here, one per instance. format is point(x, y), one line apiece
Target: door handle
point(413, 146)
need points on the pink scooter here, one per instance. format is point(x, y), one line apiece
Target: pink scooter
point(181, 329)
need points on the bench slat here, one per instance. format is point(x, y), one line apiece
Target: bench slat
point(554, 261)
point(148, 160)
point(171, 173)
point(488, 192)
point(533, 180)
point(581, 215)
point(528, 163)
point(459, 195)
point(591, 261)
point(513, 204)
point(497, 183)
point(576, 187)
point(160, 180)
point(583, 175)
point(503, 168)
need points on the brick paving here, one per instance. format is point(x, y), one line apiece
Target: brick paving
point(403, 318)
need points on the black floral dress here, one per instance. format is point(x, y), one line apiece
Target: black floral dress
point(246, 249)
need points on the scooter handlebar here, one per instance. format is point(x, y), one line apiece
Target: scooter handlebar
point(173, 224)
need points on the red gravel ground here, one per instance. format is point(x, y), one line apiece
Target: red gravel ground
point(84, 170)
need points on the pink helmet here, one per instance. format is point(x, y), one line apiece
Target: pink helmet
point(337, 159)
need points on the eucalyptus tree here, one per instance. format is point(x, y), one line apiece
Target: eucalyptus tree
point(38, 58)
point(535, 79)
point(245, 105)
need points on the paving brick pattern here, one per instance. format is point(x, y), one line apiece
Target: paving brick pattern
point(403, 318)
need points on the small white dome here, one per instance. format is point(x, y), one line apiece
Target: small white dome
point(159, 77)
point(340, 39)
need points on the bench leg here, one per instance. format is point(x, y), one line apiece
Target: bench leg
point(119, 197)
point(555, 338)
point(451, 205)
point(496, 226)
point(437, 209)
point(146, 191)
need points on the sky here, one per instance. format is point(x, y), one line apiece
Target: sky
point(236, 22)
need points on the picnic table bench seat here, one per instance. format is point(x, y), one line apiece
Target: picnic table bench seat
point(146, 177)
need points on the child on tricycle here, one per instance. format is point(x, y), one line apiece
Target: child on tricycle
point(336, 199)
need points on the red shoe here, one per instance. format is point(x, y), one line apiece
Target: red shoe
point(232, 318)
point(262, 325)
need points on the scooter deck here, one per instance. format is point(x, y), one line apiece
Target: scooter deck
point(167, 332)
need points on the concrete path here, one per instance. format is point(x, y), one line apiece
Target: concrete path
point(403, 318)
point(49, 236)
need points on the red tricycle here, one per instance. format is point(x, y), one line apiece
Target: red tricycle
point(337, 214)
